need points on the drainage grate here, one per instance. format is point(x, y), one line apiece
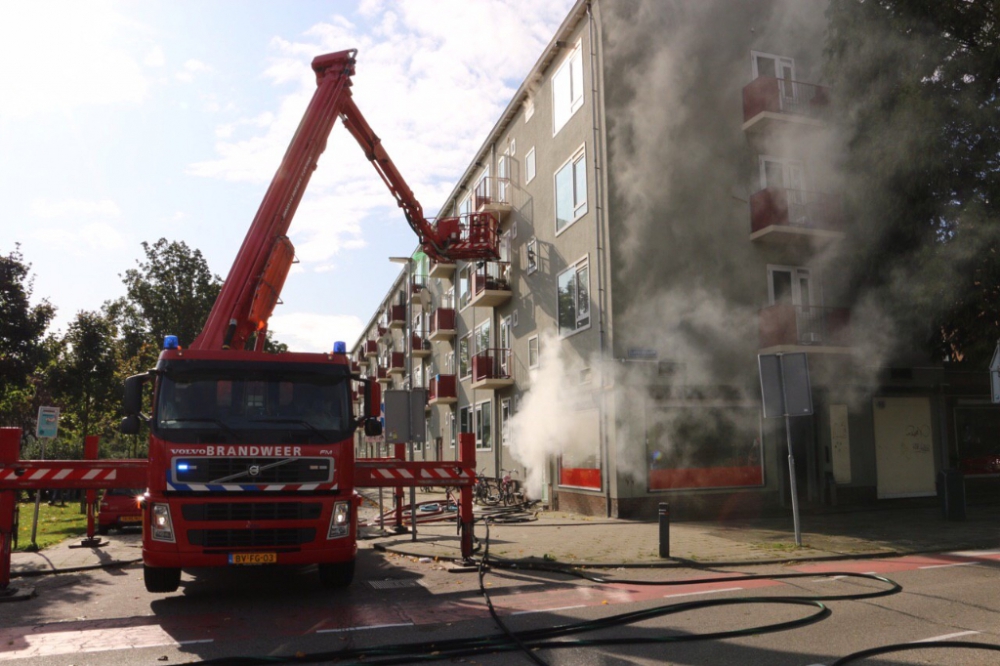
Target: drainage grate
point(393, 584)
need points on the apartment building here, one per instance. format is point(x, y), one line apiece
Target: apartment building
point(669, 207)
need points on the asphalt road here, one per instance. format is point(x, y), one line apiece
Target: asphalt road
point(107, 617)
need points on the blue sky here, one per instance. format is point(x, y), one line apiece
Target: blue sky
point(124, 122)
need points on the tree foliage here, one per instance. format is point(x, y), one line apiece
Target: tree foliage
point(918, 87)
point(24, 346)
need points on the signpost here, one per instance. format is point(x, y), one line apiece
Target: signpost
point(46, 428)
point(784, 382)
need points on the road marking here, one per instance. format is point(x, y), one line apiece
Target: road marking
point(689, 594)
point(203, 640)
point(549, 610)
point(944, 566)
point(947, 636)
point(372, 626)
point(826, 580)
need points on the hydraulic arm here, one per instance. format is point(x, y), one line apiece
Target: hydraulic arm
point(254, 284)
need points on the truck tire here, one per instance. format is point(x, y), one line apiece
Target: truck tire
point(161, 579)
point(335, 576)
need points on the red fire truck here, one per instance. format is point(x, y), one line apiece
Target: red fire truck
point(251, 456)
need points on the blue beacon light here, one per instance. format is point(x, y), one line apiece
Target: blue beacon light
point(339, 347)
point(182, 467)
point(170, 342)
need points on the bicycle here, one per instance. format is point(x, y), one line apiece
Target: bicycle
point(485, 492)
point(509, 491)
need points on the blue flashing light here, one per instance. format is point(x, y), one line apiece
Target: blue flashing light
point(182, 467)
point(170, 342)
point(339, 347)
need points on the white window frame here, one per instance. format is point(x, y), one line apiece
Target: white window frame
point(467, 339)
point(576, 267)
point(484, 331)
point(506, 413)
point(469, 420)
point(451, 421)
point(537, 353)
point(572, 69)
point(463, 286)
point(486, 406)
point(577, 161)
point(531, 255)
point(797, 273)
point(529, 108)
point(529, 166)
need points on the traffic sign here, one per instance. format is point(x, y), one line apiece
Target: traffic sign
point(48, 422)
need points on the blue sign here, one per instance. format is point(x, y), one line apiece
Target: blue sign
point(48, 422)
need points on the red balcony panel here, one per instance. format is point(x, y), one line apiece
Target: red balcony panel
point(397, 314)
point(442, 387)
point(443, 318)
point(491, 276)
point(491, 364)
point(786, 324)
point(768, 94)
point(371, 347)
point(778, 206)
point(396, 360)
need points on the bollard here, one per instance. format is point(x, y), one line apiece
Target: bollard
point(664, 529)
point(466, 455)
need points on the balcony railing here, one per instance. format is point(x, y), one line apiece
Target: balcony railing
point(394, 362)
point(494, 194)
point(396, 316)
point(784, 324)
point(490, 284)
point(783, 96)
point(798, 209)
point(443, 390)
point(421, 346)
point(491, 369)
point(371, 348)
point(470, 236)
point(442, 324)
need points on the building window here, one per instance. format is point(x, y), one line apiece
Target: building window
point(481, 342)
point(571, 191)
point(533, 352)
point(567, 89)
point(574, 298)
point(484, 426)
point(529, 108)
point(464, 419)
point(505, 414)
point(529, 166)
point(464, 286)
point(531, 256)
point(512, 147)
point(464, 368)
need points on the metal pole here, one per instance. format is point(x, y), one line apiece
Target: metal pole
point(664, 529)
point(791, 481)
point(408, 330)
point(38, 497)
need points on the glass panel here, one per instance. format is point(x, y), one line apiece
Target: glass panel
point(583, 296)
point(564, 196)
point(463, 357)
point(766, 66)
point(774, 174)
point(580, 187)
point(567, 301)
point(781, 286)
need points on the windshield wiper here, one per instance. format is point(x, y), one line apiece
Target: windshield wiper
point(260, 469)
point(316, 431)
point(205, 419)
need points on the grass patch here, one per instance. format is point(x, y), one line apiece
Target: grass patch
point(55, 524)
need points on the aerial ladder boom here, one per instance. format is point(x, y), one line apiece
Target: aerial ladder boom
point(254, 283)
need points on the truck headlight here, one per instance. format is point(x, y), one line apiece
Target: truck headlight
point(340, 523)
point(163, 527)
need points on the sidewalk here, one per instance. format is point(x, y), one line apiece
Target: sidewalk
point(578, 539)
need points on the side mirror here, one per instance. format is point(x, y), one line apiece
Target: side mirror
point(373, 400)
point(373, 427)
point(133, 394)
point(130, 425)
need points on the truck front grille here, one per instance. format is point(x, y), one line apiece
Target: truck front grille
point(254, 538)
point(252, 470)
point(252, 511)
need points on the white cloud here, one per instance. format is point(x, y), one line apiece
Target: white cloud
point(309, 332)
point(191, 67)
point(155, 58)
point(74, 208)
point(55, 56)
point(81, 240)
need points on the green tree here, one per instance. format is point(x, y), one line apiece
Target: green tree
point(172, 292)
point(917, 85)
point(24, 346)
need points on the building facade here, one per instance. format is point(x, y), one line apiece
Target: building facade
point(669, 207)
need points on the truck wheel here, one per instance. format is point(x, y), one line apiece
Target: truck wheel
point(161, 579)
point(336, 575)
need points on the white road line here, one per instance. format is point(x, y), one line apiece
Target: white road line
point(549, 610)
point(203, 640)
point(827, 579)
point(373, 626)
point(945, 566)
point(947, 636)
point(689, 594)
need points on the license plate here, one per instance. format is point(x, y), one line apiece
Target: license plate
point(130, 519)
point(253, 558)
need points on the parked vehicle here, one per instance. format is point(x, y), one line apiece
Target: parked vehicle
point(119, 508)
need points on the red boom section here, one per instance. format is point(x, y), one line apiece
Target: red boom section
point(252, 289)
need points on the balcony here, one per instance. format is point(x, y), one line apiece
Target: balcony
point(421, 347)
point(394, 362)
point(794, 216)
point(494, 195)
point(490, 284)
point(771, 105)
point(382, 329)
point(396, 316)
point(382, 376)
point(442, 324)
point(371, 348)
point(443, 390)
point(787, 328)
point(491, 369)
point(441, 271)
point(418, 290)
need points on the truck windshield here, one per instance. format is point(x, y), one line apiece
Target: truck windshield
point(256, 406)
